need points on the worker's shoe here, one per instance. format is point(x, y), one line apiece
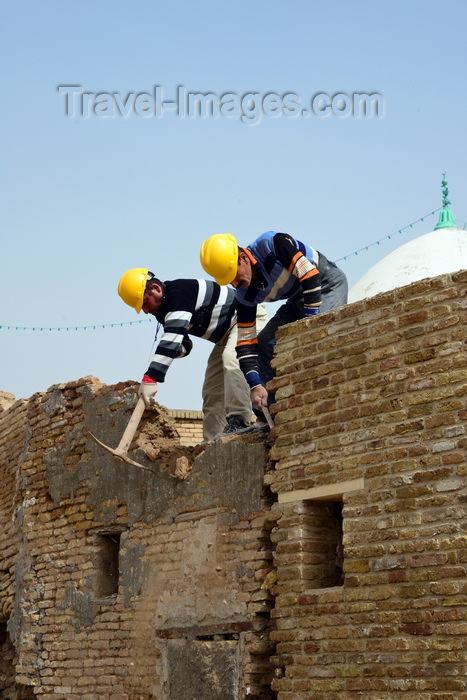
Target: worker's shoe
point(234, 425)
point(258, 427)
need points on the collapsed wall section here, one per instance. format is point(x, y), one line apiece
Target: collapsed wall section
point(371, 545)
point(115, 578)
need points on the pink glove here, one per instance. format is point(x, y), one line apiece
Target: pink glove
point(147, 390)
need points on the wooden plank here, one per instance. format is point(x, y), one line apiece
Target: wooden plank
point(328, 492)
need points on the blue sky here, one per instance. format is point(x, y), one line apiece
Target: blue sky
point(86, 198)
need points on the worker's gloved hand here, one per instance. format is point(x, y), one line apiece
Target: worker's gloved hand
point(147, 390)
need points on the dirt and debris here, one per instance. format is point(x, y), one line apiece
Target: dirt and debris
point(178, 460)
point(251, 438)
point(156, 431)
point(158, 438)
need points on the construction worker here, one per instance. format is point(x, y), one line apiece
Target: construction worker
point(204, 309)
point(275, 266)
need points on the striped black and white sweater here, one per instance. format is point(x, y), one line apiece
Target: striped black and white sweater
point(190, 307)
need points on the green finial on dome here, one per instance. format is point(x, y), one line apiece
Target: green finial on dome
point(446, 218)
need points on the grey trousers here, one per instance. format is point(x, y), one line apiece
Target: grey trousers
point(225, 390)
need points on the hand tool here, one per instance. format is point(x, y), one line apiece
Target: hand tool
point(121, 451)
point(268, 416)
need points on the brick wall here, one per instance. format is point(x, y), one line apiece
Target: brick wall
point(371, 439)
point(327, 562)
point(13, 437)
point(12, 440)
point(189, 426)
point(118, 583)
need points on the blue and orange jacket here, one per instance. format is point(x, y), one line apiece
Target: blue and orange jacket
point(282, 267)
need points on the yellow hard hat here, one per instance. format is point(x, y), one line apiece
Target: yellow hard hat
point(219, 257)
point(132, 285)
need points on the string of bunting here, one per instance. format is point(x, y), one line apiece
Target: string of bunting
point(394, 233)
point(149, 320)
point(75, 328)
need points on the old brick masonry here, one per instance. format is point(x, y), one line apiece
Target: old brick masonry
point(326, 562)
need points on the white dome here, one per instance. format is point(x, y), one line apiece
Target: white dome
point(436, 253)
